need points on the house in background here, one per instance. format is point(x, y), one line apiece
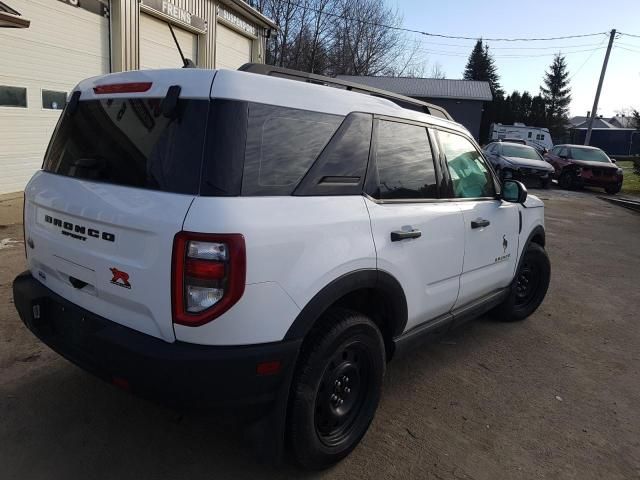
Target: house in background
point(614, 140)
point(463, 99)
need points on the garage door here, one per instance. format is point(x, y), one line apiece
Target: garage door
point(39, 65)
point(233, 49)
point(157, 48)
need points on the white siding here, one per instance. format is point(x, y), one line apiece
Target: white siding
point(233, 49)
point(62, 46)
point(157, 48)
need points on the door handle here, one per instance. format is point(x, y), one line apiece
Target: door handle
point(480, 223)
point(404, 235)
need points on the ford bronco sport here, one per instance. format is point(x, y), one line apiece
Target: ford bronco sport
point(235, 239)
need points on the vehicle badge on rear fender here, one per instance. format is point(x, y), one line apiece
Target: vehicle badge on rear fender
point(120, 278)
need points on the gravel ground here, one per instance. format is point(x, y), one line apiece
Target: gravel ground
point(555, 396)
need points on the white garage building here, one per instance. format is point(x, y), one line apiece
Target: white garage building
point(68, 40)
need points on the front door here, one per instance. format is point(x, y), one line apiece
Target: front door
point(490, 224)
point(418, 239)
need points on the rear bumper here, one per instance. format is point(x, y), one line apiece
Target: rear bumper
point(174, 373)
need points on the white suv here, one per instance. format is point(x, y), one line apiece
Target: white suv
point(236, 239)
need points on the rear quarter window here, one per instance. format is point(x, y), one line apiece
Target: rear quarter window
point(282, 144)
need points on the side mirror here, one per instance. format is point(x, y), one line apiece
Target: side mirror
point(545, 151)
point(613, 160)
point(514, 191)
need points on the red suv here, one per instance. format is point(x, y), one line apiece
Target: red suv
point(578, 165)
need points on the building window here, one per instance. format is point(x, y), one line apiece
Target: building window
point(52, 100)
point(529, 136)
point(13, 96)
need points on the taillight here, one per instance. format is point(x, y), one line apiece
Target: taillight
point(208, 276)
point(133, 87)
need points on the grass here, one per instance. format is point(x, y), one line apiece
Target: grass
point(631, 183)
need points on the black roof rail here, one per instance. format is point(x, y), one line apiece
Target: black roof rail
point(401, 100)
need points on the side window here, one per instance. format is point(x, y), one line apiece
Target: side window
point(341, 168)
point(563, 152)
point(404, 163)
point(52, 100)
point(470, 176)
point(555, 150)
point(282, 143)
point(13, 96)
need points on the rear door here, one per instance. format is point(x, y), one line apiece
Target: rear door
point(490, 224)
point(418, 240)
point(117, 181)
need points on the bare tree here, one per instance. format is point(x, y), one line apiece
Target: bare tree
point(332, 37)
point(437, 71)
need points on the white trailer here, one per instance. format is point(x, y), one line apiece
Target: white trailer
point(536, 137)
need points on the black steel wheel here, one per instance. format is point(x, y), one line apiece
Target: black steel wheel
point(529, 287)
point(336, 388)
point(341, 393)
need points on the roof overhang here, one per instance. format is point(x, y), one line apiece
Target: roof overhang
point(247, 10)
point(13, 21)
point(10, 18)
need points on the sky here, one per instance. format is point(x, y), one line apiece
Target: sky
point(521, 65)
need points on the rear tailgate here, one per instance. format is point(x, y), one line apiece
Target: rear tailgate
point(119, 177)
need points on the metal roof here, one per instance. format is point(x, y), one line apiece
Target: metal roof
point(427, 87)
point(597, 123)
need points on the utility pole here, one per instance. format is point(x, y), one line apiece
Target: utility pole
point(594, 110)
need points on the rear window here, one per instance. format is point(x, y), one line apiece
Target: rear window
point(129, 142)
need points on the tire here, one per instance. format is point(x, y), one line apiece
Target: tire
point(336, 388)
point(529, 287)
point(545, 184)
point(613, 190)
point(566, 181)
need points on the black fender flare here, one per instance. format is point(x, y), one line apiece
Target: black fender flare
point(350, 282)
point(538, 231)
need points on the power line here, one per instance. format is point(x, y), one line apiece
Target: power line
point(627, 49)
point(440, 35)
point(629, 34)
point(584, 63)
point(459, 54)
point(552, 47)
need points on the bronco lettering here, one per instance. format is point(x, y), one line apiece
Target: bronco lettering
point(78, 230)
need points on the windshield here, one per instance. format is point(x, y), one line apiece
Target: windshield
point(128, 141)
point(520, 152)
point(589, 154)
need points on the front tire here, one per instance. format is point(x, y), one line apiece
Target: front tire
point(529, 286)
point(336, 388)
point(567, 181)
point(613, 190)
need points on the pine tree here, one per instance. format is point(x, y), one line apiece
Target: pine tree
point(481, 66)
point(557, 97)
point(636, 119)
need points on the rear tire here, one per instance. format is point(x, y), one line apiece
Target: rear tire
point(545, 184)
point(529, 287)
point(336, 388)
